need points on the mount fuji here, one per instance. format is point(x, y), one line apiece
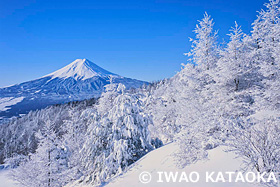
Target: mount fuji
point(81, 79)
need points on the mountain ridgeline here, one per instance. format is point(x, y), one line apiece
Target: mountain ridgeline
point(81, 79)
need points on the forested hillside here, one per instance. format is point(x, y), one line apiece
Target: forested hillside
point(224, 95)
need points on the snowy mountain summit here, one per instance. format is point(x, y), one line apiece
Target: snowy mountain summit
point(79, 80)
point(81, 69)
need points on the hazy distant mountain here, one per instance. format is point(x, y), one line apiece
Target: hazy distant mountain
point(81, 79)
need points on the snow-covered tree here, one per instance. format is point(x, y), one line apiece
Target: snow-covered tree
point(105, 102)
point(236, 78)
point(232, 64)
point(163, 104)
point(74, 138)
point(116, 139)
point(204, 49)
point(266, 36)
point(191, 147)
point(258, 145)
point(47, 166)
point(266, 33)
point(130, 128)
point(95, 147)
point(175, 100)
point(229, 95)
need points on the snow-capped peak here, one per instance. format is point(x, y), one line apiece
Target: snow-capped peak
point(80, 69)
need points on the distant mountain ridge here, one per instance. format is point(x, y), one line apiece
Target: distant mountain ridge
point(81, 79)
point(81, 69)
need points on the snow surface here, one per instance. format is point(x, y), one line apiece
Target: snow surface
point(80, 69)
point(5, 181)
point(9, 101)
point(163, 159)
point(265, 114)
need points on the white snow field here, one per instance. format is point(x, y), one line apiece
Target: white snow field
point(163, 159)
point(9, 101)
point(5, 181)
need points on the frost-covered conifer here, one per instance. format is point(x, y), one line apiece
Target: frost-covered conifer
point(233, 63)
point(204, 49)
point(265, 34)
point(117, 139)
point(47, 166)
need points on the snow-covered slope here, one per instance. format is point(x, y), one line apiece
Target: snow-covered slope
point(81, 79)
point(163, 160)
point(8, 101)
point(80, 69)
point(5, 181)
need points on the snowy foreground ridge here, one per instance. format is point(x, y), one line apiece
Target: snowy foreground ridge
point(5, 181)
point(163, 159)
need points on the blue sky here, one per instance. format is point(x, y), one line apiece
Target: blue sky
point(139, 39)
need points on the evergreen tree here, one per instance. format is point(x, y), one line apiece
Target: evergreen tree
point(47, 165)
point(204, 49)
point(266, 36)
point(116, 139)
point(232, 64)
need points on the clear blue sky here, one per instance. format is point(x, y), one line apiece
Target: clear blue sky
point(143, 39)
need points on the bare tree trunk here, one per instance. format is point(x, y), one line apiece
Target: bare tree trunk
point(49, 165)
point(236, 81)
